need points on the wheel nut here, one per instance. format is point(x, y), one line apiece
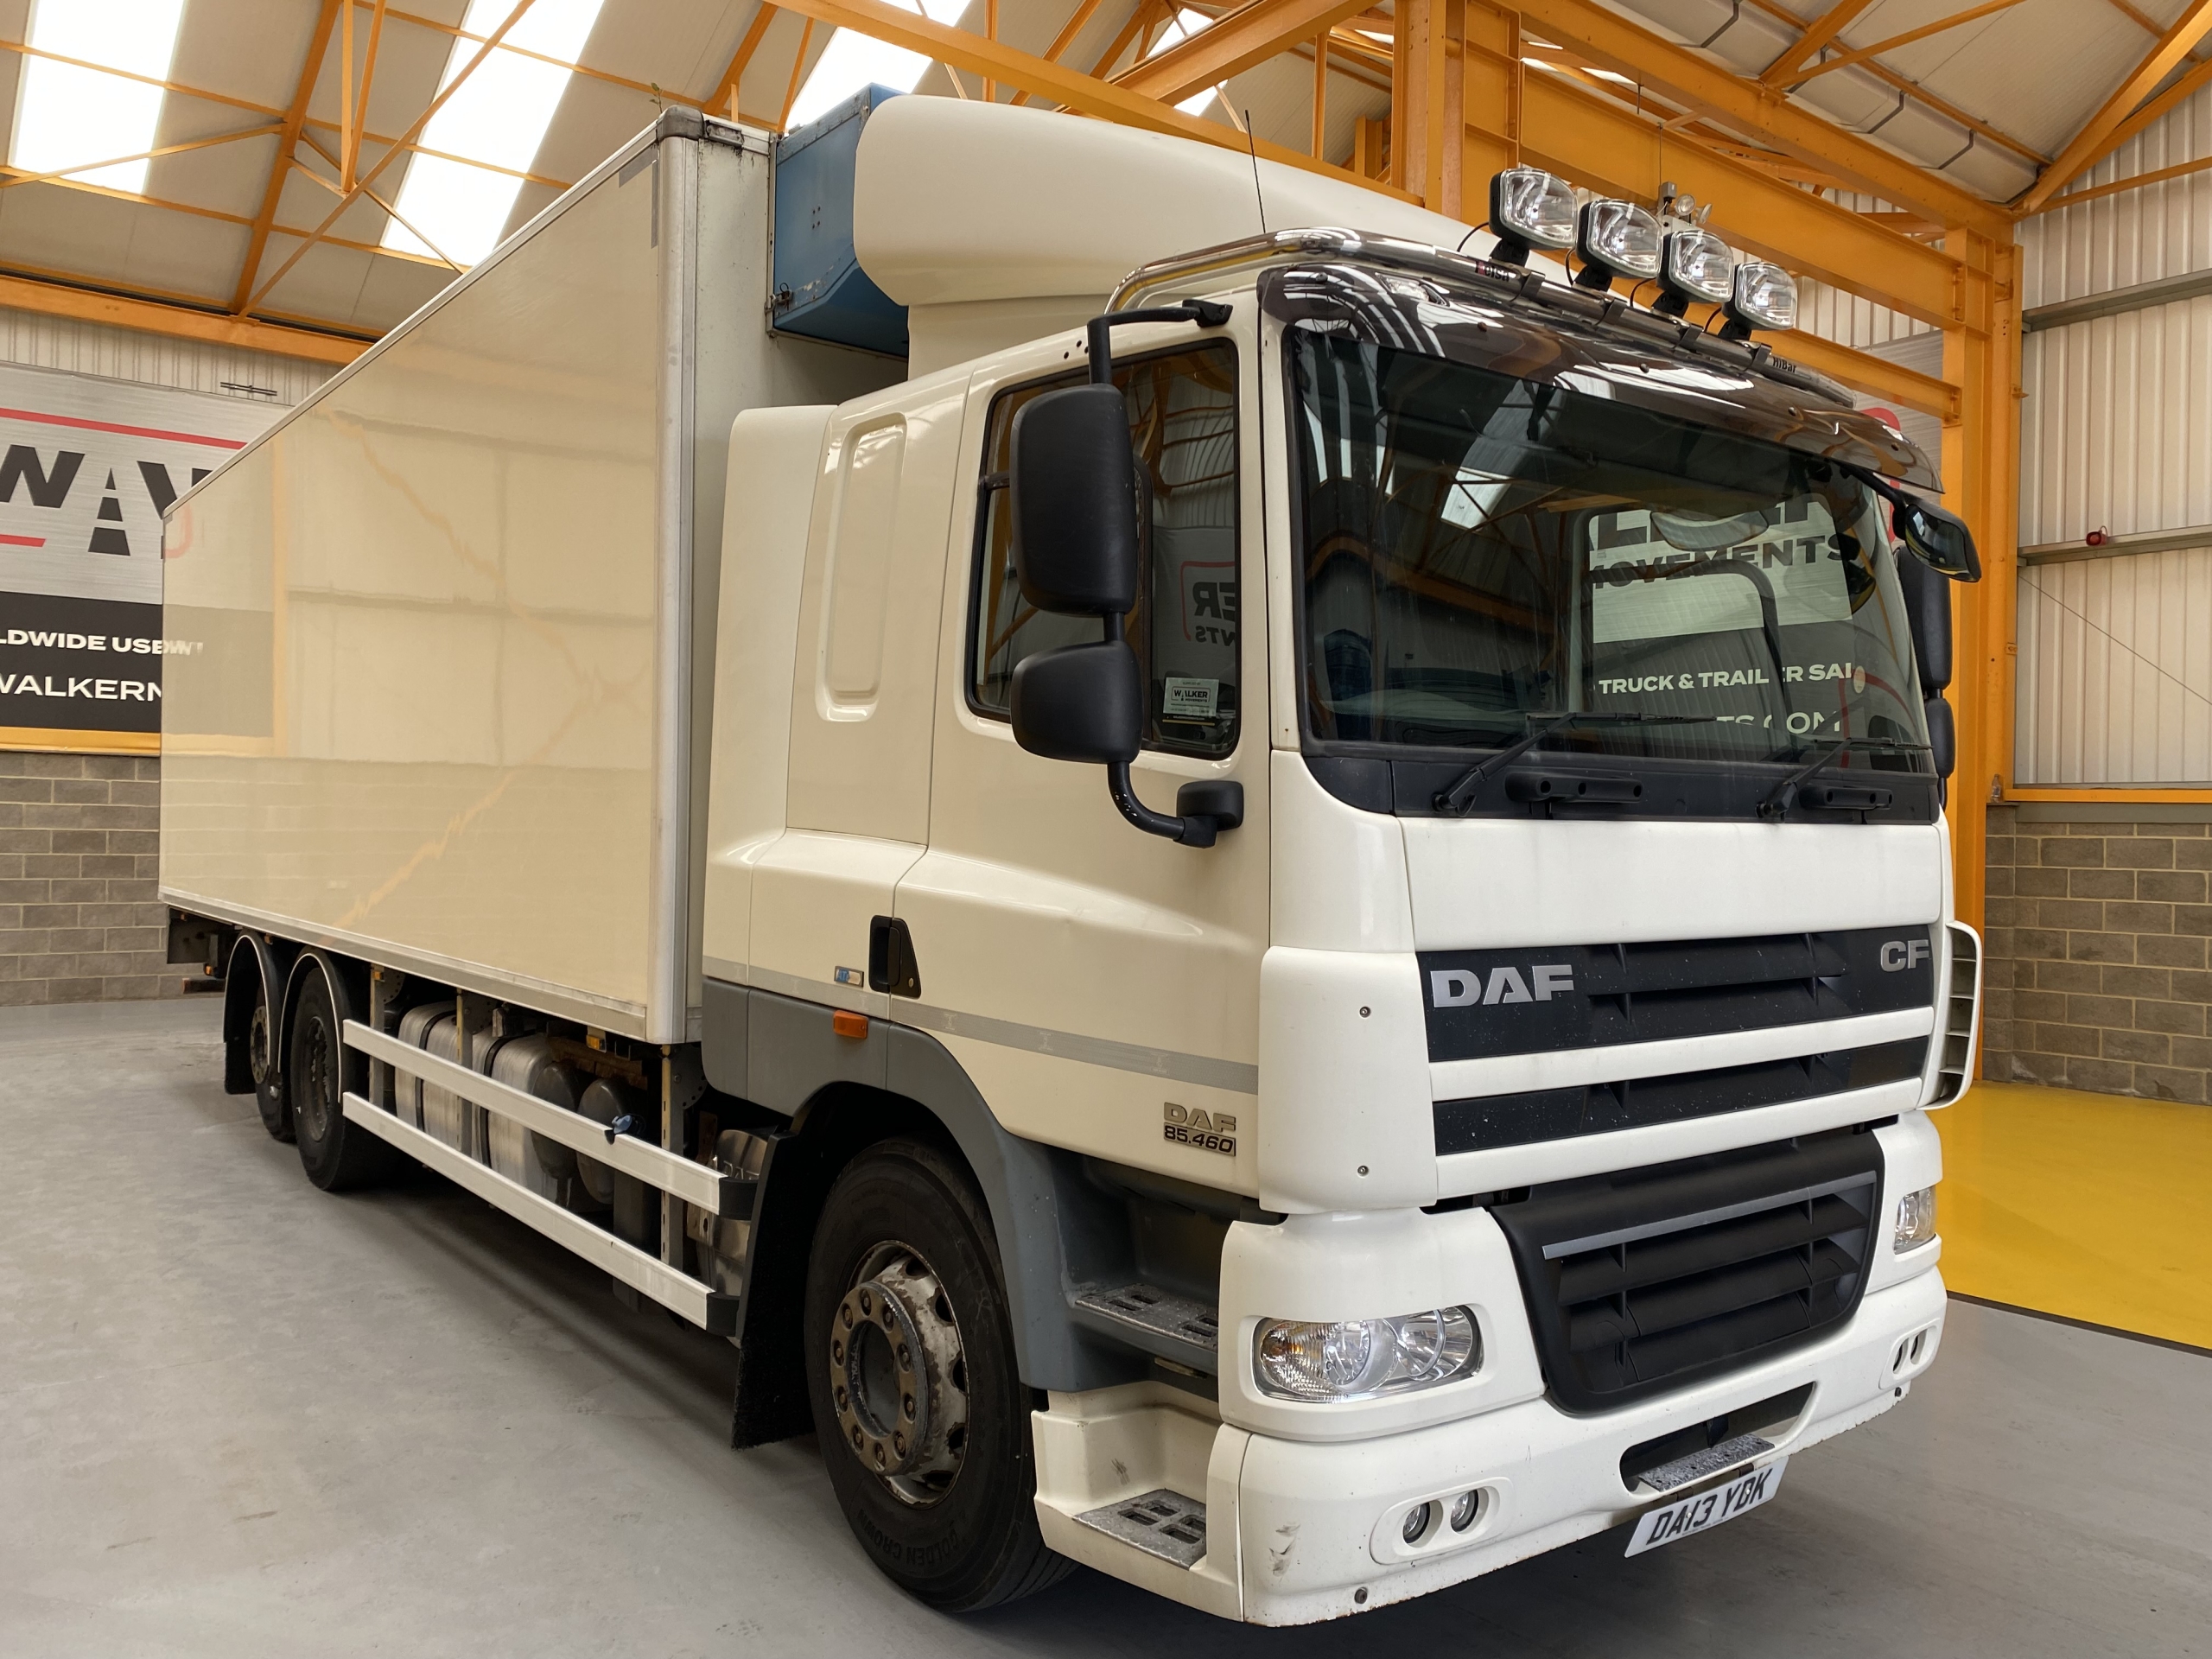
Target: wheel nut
point(905, 1359)
point(868, 1304)
point(898, 1444)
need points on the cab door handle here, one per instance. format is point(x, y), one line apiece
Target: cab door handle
point(891, 964)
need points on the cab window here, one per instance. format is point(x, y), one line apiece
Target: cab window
point(1182, 410)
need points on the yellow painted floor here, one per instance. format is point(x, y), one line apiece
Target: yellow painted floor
point(2093, 1207)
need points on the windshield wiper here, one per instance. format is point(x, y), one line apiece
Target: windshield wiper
point(1783, 796)
point(1457, 796)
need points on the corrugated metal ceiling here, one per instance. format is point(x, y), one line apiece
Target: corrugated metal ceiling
point(2031, 73)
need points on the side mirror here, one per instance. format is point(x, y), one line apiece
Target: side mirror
point(1079, 703)
point(1940, 539)
point(1943, 737)
point(1078, 516)
point(1927, 619)
point(1073, 491)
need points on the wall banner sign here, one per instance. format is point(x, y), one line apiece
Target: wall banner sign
point(87, 466)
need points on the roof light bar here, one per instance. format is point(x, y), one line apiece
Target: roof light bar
point(1763, 296)
point(1616, 238)
point(1529, 209)
point(1698, 266)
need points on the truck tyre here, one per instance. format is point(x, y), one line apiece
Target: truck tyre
point(320, 1070)
point(923, 1419)
point(261, 1047)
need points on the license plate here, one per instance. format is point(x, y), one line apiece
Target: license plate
point(1707, 1510)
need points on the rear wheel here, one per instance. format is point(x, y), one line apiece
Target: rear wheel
point(318, 1072)
point(923, 1419)
point(261, 1059)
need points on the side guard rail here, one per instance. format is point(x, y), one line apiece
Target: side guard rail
point(679, 1292)
point(700, 1184)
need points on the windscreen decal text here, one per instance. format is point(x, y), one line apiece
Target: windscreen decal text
point(1704, 679)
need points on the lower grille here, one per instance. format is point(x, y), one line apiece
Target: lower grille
point(1649, 1279)
point(1486, 1120)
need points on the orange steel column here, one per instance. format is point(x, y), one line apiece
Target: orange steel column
point(1492, 79)
point(1428, 103)
point(1981, 450)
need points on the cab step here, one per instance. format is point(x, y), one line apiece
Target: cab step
point(1178, 1327)
point(1161, 1522)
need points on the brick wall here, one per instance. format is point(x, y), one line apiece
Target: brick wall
point(2098, 922)
point(79, 920)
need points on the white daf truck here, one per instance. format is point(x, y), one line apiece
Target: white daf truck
point(1252, 900)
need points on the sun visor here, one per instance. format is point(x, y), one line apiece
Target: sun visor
point(963, 201)
point(1611, 353)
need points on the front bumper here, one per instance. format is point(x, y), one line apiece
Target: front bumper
point(1305, 1505)
point(1301, 1530)
point(1318, 1527)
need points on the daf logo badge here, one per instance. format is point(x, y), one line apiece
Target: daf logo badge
point(1897, 955)
point(1460, 988)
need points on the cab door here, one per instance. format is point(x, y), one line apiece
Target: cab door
point(863, 688)
point(1101, 985)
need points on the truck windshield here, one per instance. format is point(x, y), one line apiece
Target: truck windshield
point(1482, 551)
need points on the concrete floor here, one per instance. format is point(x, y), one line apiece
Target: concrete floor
point(242, 1418)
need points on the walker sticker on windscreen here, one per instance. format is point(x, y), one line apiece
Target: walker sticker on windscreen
point(87, 468)
point(1705, 614)
point(1703, 1511)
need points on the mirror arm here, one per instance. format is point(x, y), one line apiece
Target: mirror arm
point(1197, 831)
point(1099, 331)
point(1190, 832)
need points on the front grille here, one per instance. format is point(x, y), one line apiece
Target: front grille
point(1649, 1279)
point(1540, 999)
point(1485, 1122)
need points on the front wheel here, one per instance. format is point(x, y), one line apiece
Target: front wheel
point(923, 1419)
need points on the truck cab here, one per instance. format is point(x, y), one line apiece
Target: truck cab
point(1511, 1055)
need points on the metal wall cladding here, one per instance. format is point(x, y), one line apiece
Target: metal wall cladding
point(2132, 236)
point(113, 353)
point(2115, 671)
point(2116, 430)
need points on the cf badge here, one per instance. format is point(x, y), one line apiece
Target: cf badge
point(1897, 955)
point(1193, 1128)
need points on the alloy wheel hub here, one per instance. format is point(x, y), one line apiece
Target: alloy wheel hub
point(898, 1375)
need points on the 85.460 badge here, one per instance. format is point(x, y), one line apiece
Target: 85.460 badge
point(1195, 1127)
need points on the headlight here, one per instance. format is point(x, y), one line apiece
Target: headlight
point(1697, 266)
point(1916, 1220)
point(1764, 296)
point(1529, 209)
point(1365, 1359)
point(1616, 238)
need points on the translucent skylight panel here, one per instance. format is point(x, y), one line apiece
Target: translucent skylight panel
point(851, 61)
point(66, 116)
point(499, 116)
point(1180, 28)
